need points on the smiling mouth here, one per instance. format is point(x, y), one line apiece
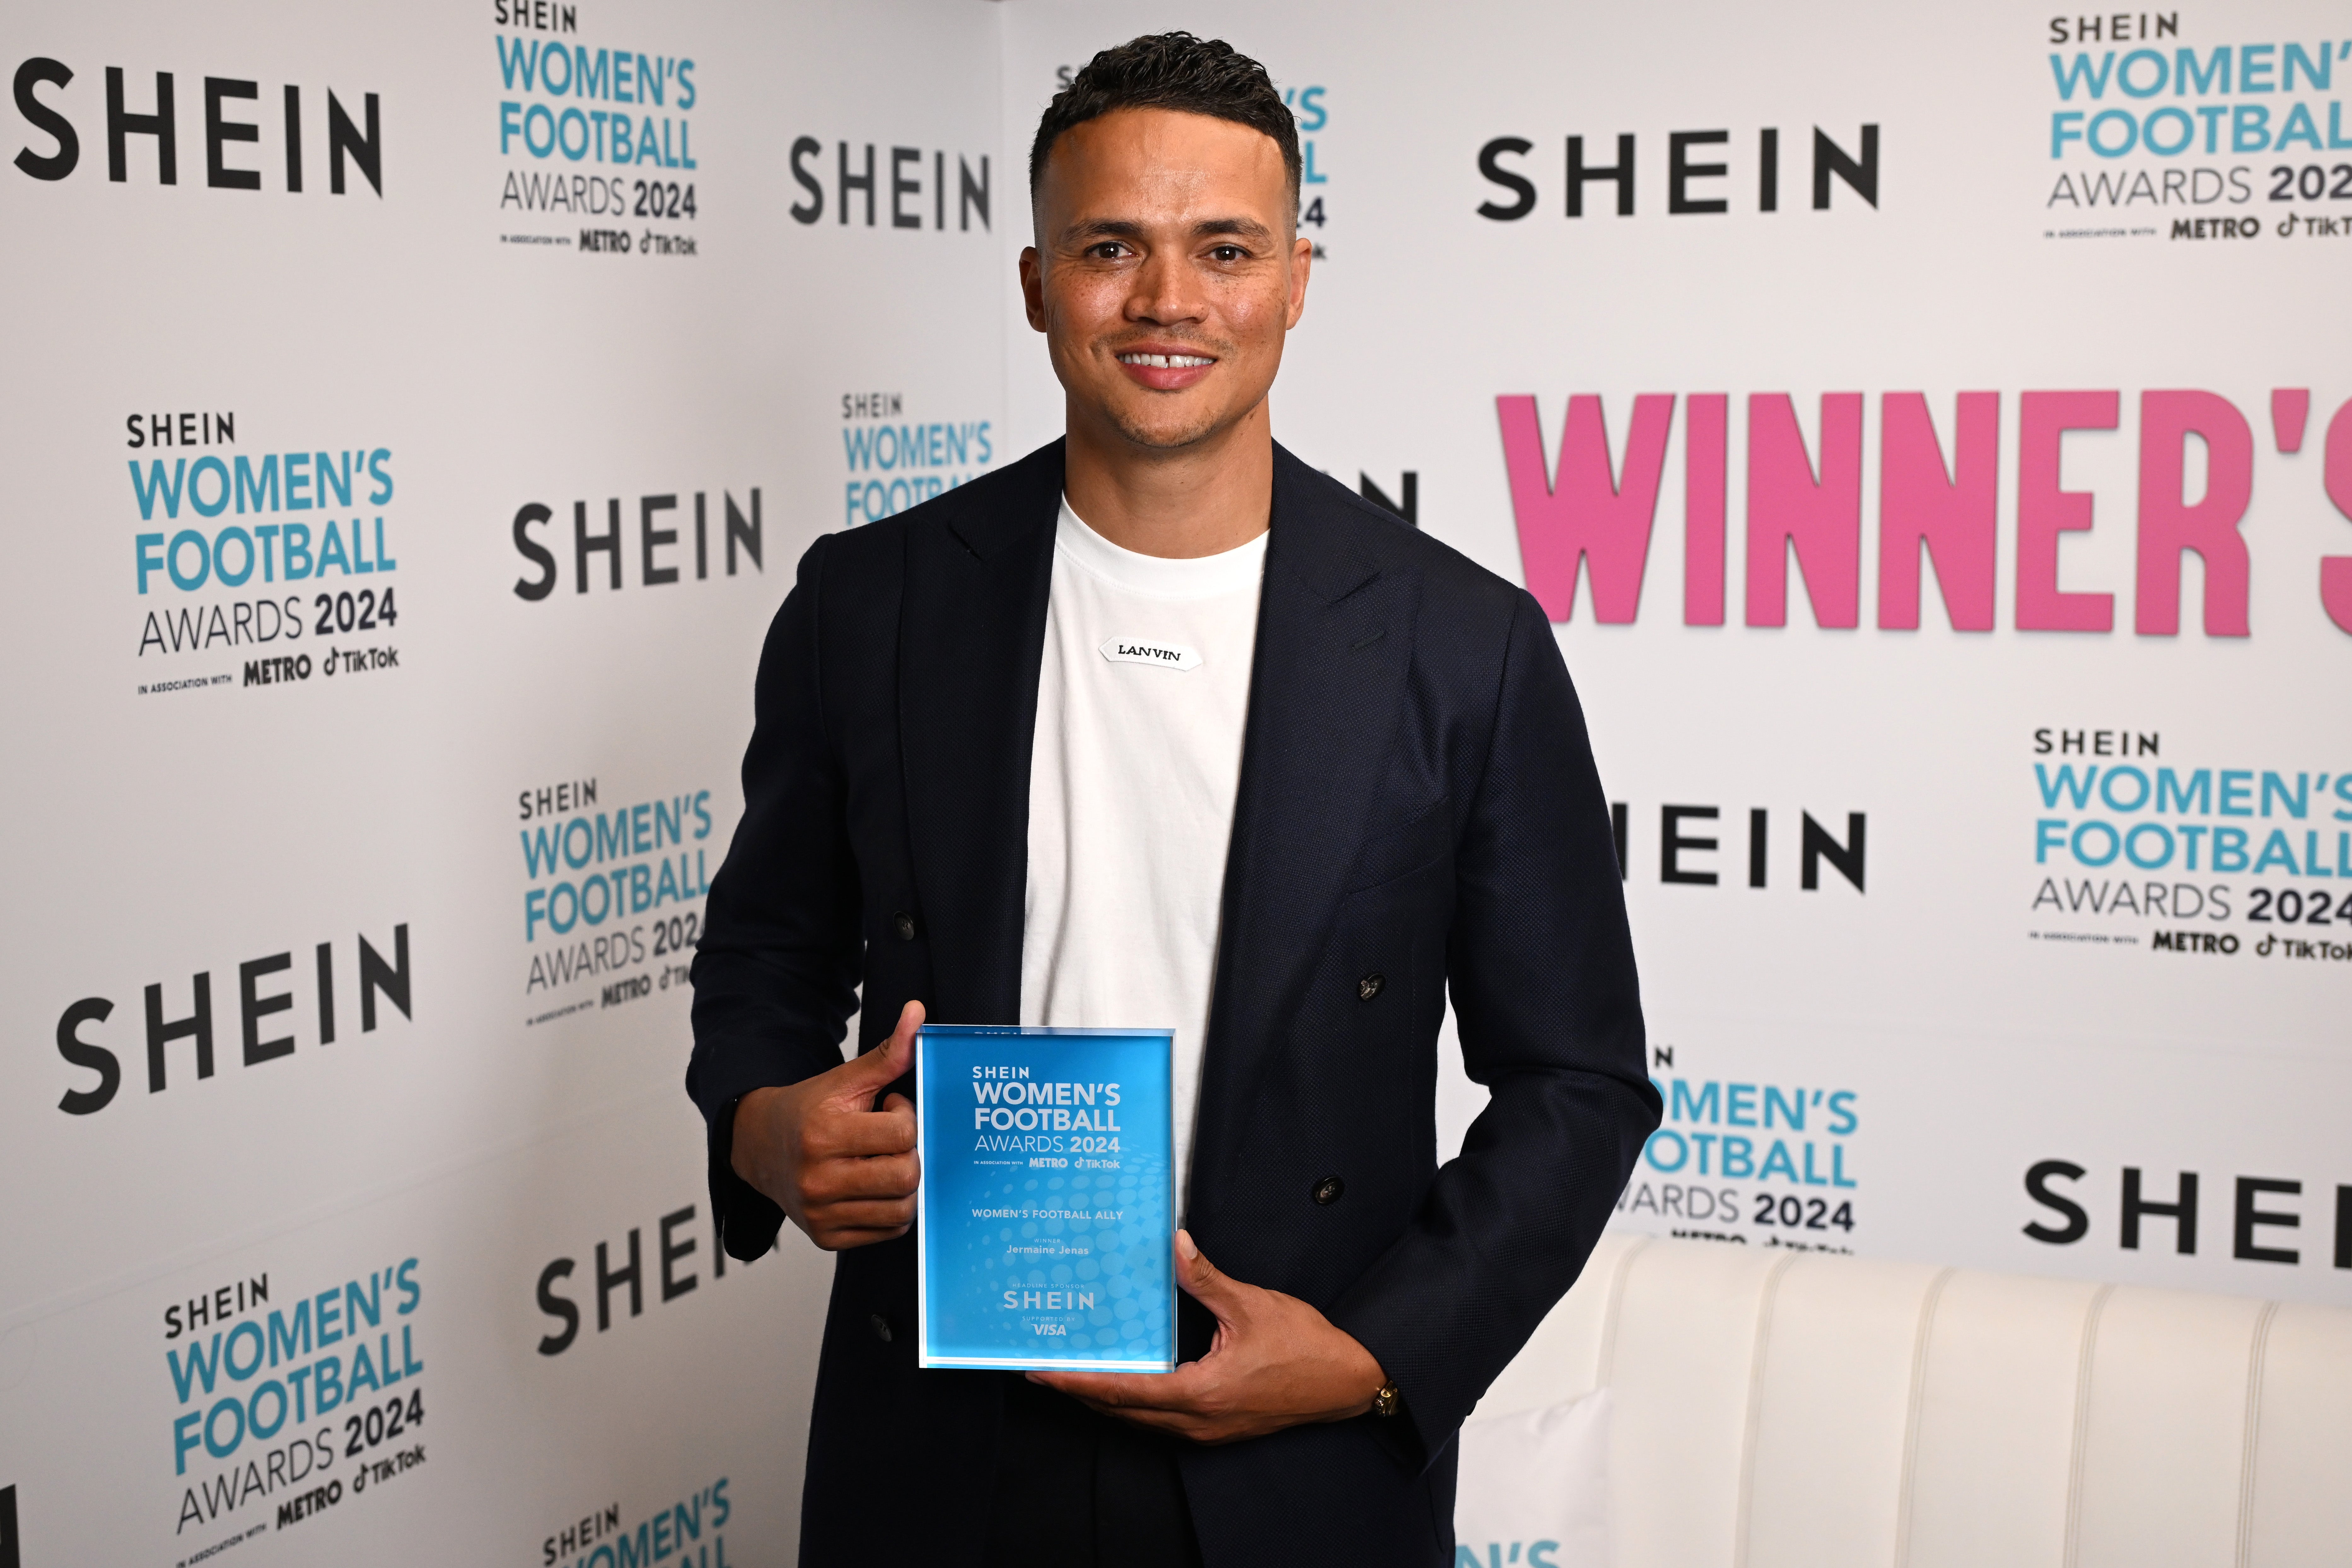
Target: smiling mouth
point(1167, 361)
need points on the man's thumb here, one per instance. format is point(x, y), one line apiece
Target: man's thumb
point(889, 1061)
point(1201, 1280)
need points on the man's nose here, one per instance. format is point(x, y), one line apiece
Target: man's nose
point(1167, 291)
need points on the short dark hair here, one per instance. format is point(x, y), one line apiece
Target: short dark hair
point(1171, 70)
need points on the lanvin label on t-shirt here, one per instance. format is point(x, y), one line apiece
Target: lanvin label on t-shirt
point(1046, 1218)
point(1142, 650)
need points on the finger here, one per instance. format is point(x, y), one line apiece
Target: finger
point(1177, 1391)
point(851, 1134)
point(887, 1177)
point(1203, 1282)
point(843, 1240)
point(900, 1047)
point(864, 1214)
point(865, 1076)
point(1103, 1390)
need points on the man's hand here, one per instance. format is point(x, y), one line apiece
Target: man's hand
point(1275, 1363)
point(846, 1172)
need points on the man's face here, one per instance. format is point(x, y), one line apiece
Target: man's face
point(1165, 273)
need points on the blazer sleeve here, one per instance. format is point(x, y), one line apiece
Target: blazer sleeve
point(776, 972)
point(1540, 971)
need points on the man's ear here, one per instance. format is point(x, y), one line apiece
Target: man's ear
point(1032, 287)
point(1302, 259)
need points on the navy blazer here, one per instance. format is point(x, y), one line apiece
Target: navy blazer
point(1417, 803)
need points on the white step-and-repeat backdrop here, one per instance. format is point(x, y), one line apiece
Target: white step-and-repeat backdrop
point(1922, 423)
point(1927, 426)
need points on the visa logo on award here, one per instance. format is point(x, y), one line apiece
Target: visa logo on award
point(1046, 1215)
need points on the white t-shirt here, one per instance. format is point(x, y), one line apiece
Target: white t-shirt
point(1141, 702)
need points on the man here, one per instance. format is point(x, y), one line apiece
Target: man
point(1361, 780)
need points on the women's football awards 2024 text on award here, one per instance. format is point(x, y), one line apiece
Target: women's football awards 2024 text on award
point(1048, 1209)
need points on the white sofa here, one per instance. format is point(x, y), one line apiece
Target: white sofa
point(1777, 1408)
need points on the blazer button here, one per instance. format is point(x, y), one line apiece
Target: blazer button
point(881, 1326)
point(1328, 1190)
point(1369, 986)
point(904, 924)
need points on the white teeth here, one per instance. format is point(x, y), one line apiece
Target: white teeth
point(1165, 362)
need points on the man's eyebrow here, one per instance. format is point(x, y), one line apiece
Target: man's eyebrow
point(1246, 227)
point(1127, 228)
point(1102, 228)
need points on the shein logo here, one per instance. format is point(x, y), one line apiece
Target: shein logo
point(1691, 174)
point(224, 97)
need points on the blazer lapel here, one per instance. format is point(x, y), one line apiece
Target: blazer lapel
point(971, 641)
point(1334, 643)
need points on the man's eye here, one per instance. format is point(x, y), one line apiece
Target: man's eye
point(1228, 253)
point(1110, 250)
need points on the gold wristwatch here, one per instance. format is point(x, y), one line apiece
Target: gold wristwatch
point(1387, 1402)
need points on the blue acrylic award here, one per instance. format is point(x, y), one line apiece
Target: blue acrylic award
point(1045, 1219)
